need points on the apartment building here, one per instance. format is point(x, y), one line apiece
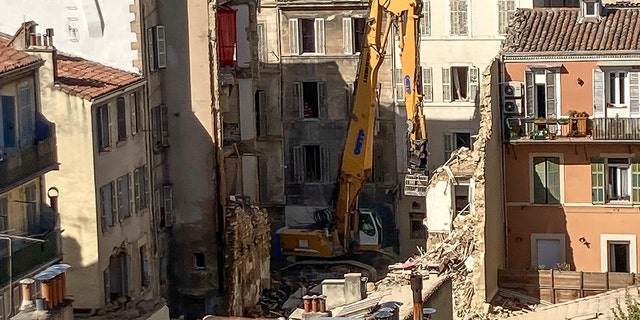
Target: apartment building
point(570, 112)
point(30, 230)
point(309, 62)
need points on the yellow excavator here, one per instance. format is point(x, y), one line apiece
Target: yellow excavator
point(346, 228)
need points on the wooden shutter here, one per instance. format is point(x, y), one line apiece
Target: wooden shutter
point(635, 180)
point(551, 93)
point(297, 98)
point(130, 196)
point(553, 180)
point(446, 84)
point(133, 112)
point(164, 125)
point(347, 35)
point(151, 50)
point(114, 204)
point(448, 145)
point(262, 44)
point(598, 93)
point(319, 35)
point(325, 165)
point(322, 93)
point(161, 50)
point(634, 98)
point(425, 22)
point(294, 37)
point(167, 199)
point(530, 94)
point(427, 84)
point(539, 180)
point(597, 180)
point(102, 194)
point(298, 164)
point(120, 198)
point(474, 84)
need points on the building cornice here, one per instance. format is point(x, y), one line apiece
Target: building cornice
point(571, 56)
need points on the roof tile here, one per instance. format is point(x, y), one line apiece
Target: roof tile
point(11, 59)
point(557, 29)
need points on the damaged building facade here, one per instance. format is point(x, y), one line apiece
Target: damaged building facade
point(309, 61)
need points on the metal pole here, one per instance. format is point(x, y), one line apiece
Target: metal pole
point(416, 287)
point(10, 240)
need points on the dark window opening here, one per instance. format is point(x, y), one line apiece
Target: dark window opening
point(618, 257)
point(199, 260)
point(122, 119)
point(462, 196)
point(463, 139)
point(460, 83)
point(556, 3)
point(310, 100)
point(358, 34)
point(261, 113)
point(308, 35)
point(312, 166)
point(415, 205)
point(541, 100)
point(103, 127)
point(417, 227)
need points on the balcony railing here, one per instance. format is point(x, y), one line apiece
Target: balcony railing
point(28, 256)
point(520, 128)
point(23, 163)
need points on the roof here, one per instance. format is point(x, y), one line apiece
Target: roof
point(594, 307)
point(11, 59)
point(89, 79)
point(558, 29)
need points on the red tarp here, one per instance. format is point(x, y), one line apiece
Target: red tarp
point(226, 25)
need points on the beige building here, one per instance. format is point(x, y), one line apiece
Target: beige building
point(103, 178)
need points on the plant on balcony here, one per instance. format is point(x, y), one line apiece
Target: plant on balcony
point(540, 121)
point(540, 134)
point(571, 113)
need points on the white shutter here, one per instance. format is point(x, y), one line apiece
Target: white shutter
point(294, 37)
point(399, 85)
point(298, 164)
point(634, 98)
point(297, 98)
point(261, 42)
point(425, 23)
point(446, 84)
point(550, 78)
point(110, 126)
point(133, 103)
point(474, 84)
point(151, 50)
point(427, 86)
point(598, 93)
point(530, 94)
point(448, 145)
point(319, 35)
point(161, 50)
point(347, 35)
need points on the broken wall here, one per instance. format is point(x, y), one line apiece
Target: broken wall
point(247, 255)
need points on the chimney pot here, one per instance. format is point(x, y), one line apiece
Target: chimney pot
point(38, 39)
point(306, 303)
point(314, 303)
point(50, 36)
point(26, 286)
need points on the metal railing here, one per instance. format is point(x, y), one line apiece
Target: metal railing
point(616, 129)
point(518, 128)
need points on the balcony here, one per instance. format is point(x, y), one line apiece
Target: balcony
point(566, 129)
point(20, 164)
point(29, 256)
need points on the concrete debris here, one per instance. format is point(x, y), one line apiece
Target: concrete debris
point(248, 247)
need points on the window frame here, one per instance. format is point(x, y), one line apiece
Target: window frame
point(121, 119)
point(417, 217)
point(606, 239)
point(504, 15)
point(531, 98)
point(104, 127)
point(456, 32)
point(626, 90)
point(531, 169)
point(547, 236)
point(451, 137)
point(156, 48)
point(425, 19)
point(472, 84)
point(298, 99)
point(296, 45)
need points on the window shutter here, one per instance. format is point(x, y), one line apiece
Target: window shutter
point(294, 37)
point(399, 85)
point(551, 92)
point(349, 99)
point(322, 93)
point(474, 84)
point(635, 180)
point(109, 125)
point(553, 180)
point(539, 180)
point(427, 86)
point(133, 105)
point(448, 145)
point(297, 98)
point(325, 165)
point(597, 180)
point(161, 50)
point(137, 190)
point(298, 164)
point(347, 35)
point(634, 103)
point(446, 84)
point(262, 45)
point(164, 125)
point(131, 191)
point(167, 197)
point(103, 207)
point(120, 197)
point(425, 22)
point(319, 34)
point(151, 50)
point(530, 94)
point(114, 204)
point(598, 93)
point(145, 186)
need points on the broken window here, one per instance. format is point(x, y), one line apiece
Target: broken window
point(104, 127)
point(455, 141)
point(353, 30)
point(417, 226)
point(462, 195)
point(4, 213)
point(310, 97)
point(123, 197)
point(121, 113)
point(156, 48)
point(505, 10)
point(618, 253)
point(306, 36)
point(311, 163)
point(107, 205)
point(460, 83)
point(399, 85)
point(425, 22)
point(459, 13)
point(198, 258)
point(226, 26)
point(546, 180)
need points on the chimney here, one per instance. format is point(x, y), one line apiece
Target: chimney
point(53, 192)
point(416, 287)
point(26, 286)
point(50, 37)
point(47, 295)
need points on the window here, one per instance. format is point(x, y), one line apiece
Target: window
point(556, 3)
point(353, 34)
point(156, 48)
point(618, 256)
point(505, 10)
point(542, 89)
point(460, 84)
point(455, 141)
point(590, 8)
point(8, 121)
point(134, 112)
point(417, 226)
point(107, 205)
point(425, 22)
point(547, 250)
point(104, 127)
point(121, 113)
point(306, 36)
point(27, 114)
point(399, 85)
point(198, 257)
point(117, 276)
point(310, 97)
point(311, 164)
point(462, 195)
point(546, 180)
point(4, 213)
point(141, 192)
point(618, 253)
point(459, 13)
point(427, 84)
point(161, 126)
point(123, 195)
point(167, 201)
point(261, 112)
point(33, 212)
point(227, 36)
point(144, 267)
point(615, 179)
point(262, 42)
point(618, 88)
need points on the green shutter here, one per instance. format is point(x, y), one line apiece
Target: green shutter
point(597, 180)
point(635, 181)
point(539, 180)
point(553, 180)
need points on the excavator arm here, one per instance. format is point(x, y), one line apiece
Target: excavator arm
point(357, 159)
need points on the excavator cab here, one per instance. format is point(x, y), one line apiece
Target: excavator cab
point(369, 231)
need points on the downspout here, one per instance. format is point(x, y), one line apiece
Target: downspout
point(281, 101)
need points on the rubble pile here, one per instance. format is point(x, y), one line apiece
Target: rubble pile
point(248, 246)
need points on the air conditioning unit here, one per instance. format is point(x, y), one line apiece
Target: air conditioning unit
point(511, 89)
point(512, 106)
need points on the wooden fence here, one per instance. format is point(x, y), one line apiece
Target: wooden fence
point(557, 286)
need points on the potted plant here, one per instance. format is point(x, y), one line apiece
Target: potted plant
point(571, 113)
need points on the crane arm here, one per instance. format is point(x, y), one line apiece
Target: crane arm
point(357, 158)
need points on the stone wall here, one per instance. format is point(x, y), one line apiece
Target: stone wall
point(247, 255)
